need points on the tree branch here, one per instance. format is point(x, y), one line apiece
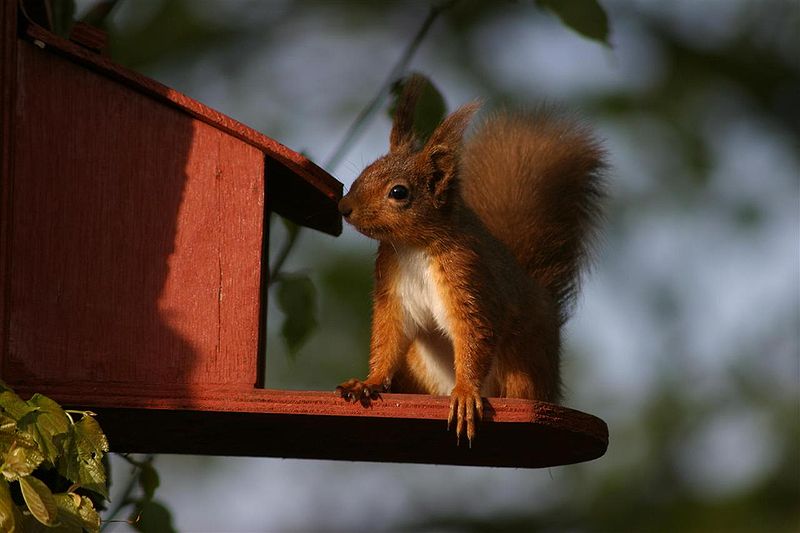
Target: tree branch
point(362, 119)
point(125, 497)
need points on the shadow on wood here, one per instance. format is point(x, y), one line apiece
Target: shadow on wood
point(133, 225)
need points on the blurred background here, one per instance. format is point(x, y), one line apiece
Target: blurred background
point(687, 336)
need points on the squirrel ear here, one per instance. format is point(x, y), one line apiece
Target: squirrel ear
point(443, 149)
point(451, 130)
point(444, 169)
point(403, 123)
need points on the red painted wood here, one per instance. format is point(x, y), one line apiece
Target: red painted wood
point(306, 424)
point(327, 403)
point(132, 241)
point(89, 37)
point(147, 226)
point(8, 70)
point(319, 183)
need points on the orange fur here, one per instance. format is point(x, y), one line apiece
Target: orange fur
point(481, 246)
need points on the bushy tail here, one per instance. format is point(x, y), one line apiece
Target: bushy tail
point(535, 179)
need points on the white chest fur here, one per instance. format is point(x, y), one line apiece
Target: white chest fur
point(425, 318)
point(419, 293)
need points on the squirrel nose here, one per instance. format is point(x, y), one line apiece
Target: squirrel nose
point(345, 207)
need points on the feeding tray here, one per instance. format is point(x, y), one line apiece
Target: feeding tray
point(408, 428)
point(133, 236)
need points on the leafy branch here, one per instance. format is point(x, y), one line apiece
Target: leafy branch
point(52, 466)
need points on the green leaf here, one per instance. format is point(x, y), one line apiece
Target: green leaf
point(77, 512)
point(586, 17)
point(92, 439)
point(21, 460)
point(8, 426)
point(13, 405)
point(82, 450)
point(297, 299)
point(430, 110)
point(68, 517)
point(39, 500)
point(51, 417)
point(44, 424)
point(7, 508)
point(152, 517)
point(9, 441)
point(148, 481)
point(88, 514)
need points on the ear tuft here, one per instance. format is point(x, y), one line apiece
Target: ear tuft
point(443, 150)
point(451, 130)
point(444, 169)
point(403, 124)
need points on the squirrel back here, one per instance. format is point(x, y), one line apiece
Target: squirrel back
point(535, 180)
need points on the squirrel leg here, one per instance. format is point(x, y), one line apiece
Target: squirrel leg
point(388, 347)
point(472, 362)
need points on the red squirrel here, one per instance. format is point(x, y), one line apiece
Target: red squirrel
point(481, 245)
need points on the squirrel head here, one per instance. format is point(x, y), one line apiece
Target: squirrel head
point(407, 195)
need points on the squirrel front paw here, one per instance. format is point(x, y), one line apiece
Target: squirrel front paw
point(466, 405)
point(354, 390)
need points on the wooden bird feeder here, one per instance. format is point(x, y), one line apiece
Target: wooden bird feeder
point(133, 238)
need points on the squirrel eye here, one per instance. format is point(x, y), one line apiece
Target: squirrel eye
point(398, 192)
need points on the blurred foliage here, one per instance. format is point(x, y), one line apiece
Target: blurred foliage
point(431, 108)
point(153, 517)
point(338, 348)
point(295, 292)
point(297, 300)
point(651, 495)
point(173, 29)
point(145, 513)
point(586, 17)
point(644, 483)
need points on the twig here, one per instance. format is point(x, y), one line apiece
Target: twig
point(125, 497)
point(362, 119)
point(355, 129)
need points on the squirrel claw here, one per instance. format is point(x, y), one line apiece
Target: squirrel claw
point(354, 390)
point(465, 408)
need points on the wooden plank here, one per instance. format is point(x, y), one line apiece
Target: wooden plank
point(147, 226)
point(306, 424)
point(8, 70)
point(320, 183)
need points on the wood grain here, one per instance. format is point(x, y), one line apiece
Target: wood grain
point(8, 84)
point(308, 424)
point(136, 249)
point(321, 186)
